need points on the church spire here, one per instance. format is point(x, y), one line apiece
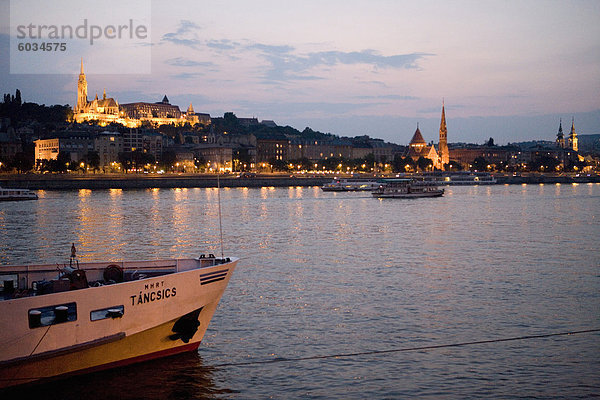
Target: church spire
point(560, 131)
point(560, 137)
point(81, 91)
point(444, 153)
point(443, 121)
point(573, 141)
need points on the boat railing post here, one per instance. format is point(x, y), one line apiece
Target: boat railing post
point(28, 281)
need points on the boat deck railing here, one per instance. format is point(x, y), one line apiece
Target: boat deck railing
point(28, 280)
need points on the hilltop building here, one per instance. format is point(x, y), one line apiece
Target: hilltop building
point(107, 110)
point(161, 113)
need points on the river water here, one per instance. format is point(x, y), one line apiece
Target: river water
point(324, 276)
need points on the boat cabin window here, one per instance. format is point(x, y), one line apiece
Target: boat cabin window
point(109, 312)
point(8, 283)
point(52, 315)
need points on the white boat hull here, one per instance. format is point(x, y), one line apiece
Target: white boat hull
point(407, 189)
point(350, 185)
point(17, 194)
point(409, 195)
point(148, 328)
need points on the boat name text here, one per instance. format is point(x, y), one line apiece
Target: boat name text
point(153, 292)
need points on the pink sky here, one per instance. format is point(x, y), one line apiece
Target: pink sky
point(506, 69)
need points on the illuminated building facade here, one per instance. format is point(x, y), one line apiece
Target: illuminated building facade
point(418, 147)
point(46, 149)
point(76, 143)
point(560, 137)
point(269, 150)
point(107, 110)
point(444, 154)
point(108, 145)
point(573, 141)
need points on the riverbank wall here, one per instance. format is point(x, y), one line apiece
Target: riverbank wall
point(545, 179)
point(130, 181)
point(139, 181)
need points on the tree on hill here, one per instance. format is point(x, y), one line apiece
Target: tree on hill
point(424, 163)
point(169, 130)
point(479, 164)
point(22, 162)
point(57, 165)
point(544, 164)
point(241, 159)
point(331, 164)
point(14, 108)
point(231, 122)
point(279, 165)
point(17, 98)
point(402, 164)
point(168, 159)
point(453, 165)
point(93, 160)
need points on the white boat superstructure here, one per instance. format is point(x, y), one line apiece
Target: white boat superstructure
point(17, 194)
point(461, 178)
point(350, 185)
point(407, 189)
point(57, 321)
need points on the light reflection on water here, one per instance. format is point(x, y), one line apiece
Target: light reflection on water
point(333, 273)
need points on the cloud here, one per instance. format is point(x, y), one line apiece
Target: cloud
point(438, 109)
point(223, 44)
point(271, 49)
point(285, 62)
point(187, 75)
point(371, 57)
point(300, 108)
point(376, 83)
point(389, 97)
point(186, 62)
point(287, 65)
point(185, 35)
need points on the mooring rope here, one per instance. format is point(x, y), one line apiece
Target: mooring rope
point(377, 352)
point(404, 349)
